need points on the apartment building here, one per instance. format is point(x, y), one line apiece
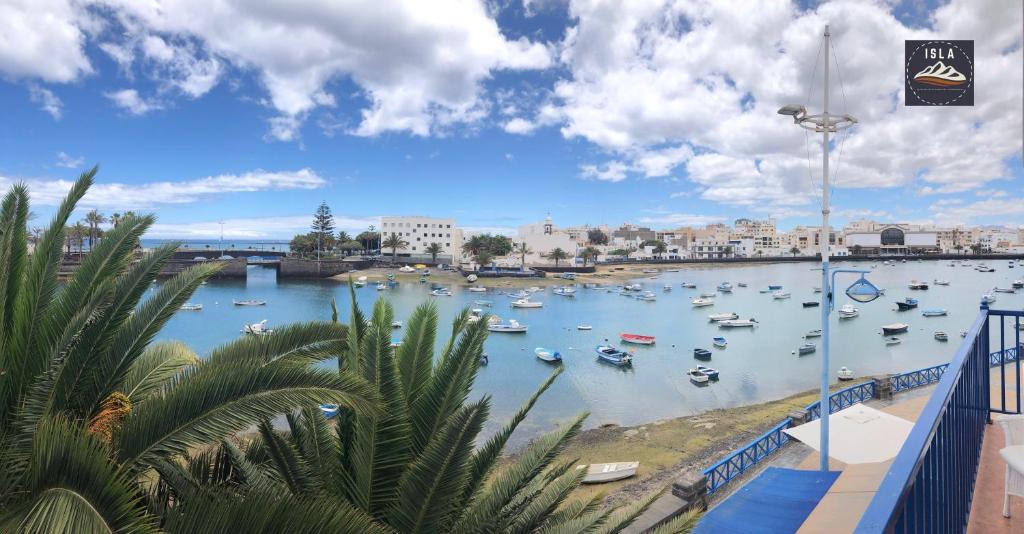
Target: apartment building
point(419, 232)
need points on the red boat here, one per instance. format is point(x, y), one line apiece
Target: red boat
point(637, 339)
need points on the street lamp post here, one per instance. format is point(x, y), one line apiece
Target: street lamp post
point(862, 290)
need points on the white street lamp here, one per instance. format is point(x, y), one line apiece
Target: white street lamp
point(861, 290)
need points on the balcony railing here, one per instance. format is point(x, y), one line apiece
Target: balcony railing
point(930, 484)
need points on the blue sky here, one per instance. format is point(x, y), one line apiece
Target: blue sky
point(659, 112)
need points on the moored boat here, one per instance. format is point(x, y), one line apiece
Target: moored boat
point(941, 336)
point(934, 312)
point(329, 410)
point(811, 304)
point(511, 327)
point(727, 316)
point(188, 306)
point(584, 327)
point(257, 329)
point(848, 311)
point(916, 284)
point(709, 372)
point(564, 291)
point(441, 292)
point(725, 287)
point(702, 354)
point(742, 284)
point(667, 287)
point(988, 298)
point(778, 295)
point(688, 285)
point(844, 373)
point(647, 296)
point(813, 333)
point(697, 377)
point(701, 301)
point(483, 303)
point(774, 287)
point(396, 324)
point(894, 328)
point(939, 282)
point(1018, 284)
point(1004, 290)
point(477, 289)
point(251, 302)
point(906, 304)
point(636, 339)
point(613, 355)
point(807, 348)
point(547, 355)
point(719, 342)
point(738, 323)
point(527, 303)
point(893, 341)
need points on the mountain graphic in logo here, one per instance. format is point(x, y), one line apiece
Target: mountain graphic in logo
point(940, 74)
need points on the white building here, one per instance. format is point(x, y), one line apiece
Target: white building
point(762, 232)
point(543, 237)
point(419, 232)
point(876, 238)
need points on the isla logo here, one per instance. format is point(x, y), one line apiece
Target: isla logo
point(939, 73)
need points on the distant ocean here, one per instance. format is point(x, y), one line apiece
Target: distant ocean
point(215, 244)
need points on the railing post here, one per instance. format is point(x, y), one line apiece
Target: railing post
point(883, 387)
point(692, 487)
point(987, 376)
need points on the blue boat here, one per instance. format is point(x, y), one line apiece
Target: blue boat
point(702, 354)
point(613, 355)
point(548, 355)
point(329, 410)
point(907, 304)
point(719, 342)
point(774, 288)
point(708, 372)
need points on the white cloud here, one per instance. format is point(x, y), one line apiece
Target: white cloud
point(419, 64)
point(281, 227)
point(44, 39)
point(113, 195)
point(68, 161)
point(955, 211)
point(681, 219)
point(612, 171)
point(861, 213)
point(130, 101)
point(47, 101)
point(649, 74)
point(519, 126)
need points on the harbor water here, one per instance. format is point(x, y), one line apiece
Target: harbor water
point(758, 364)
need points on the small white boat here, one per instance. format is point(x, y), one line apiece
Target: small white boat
point(813, 333)
point(486, 303)
point(988, 298)
point(475, 315)
point(817, 290)
point(941, 336)
point(1004, 290)
point(408, 269)
point(633, 287)
point(565, 291)
point(725, 287)
point(257, 329)
point(667, 287)
point(441, 292)
point(191, 307)
point(844, 373)
point(329, 410)
point(598, 473)
point(650, 271)
point(940, 282)
point(701, 301)
point(527, 303)
point(396, 324)
point(697, 377)
point(893, 340)
point(512, 327)
point(547, 355)
point(647, 296)
point(1018, 284)
point(728, 316)
point(381, 286)
point(708, 295)
point(848, 311)
point(737, 323)
point(688, 285)
point(780, 295)
point(934, 312)
point(249, 302)
point(477, 289)
point(719, 342)
point(471, 278)
point(584, 327)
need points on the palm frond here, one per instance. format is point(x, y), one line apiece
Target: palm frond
point(291, 468)
point(430, 492)
point(206, 405)
point(312, 436)
point(250, 475)
point(502, 490)
point(624, 515)
point(581, 524)
point(683, 524)
point(13, 256)
point(158, 364)
point(416, 353)
point(298, 343)
point(574, 509)
point(533, 515)
point(72, 486)
point(486, 456)
point(268, 514)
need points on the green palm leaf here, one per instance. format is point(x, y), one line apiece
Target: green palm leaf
point(13, 256)
point(71, 486)
point(531, 516)
point(683, 524)
point(431, 490)
point(155, 368)
point(292, 469)
point(416, 354)
point(299, 344)
point(623, 516)
point(268, 514)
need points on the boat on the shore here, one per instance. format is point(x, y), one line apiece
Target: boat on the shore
point(727, 316)
point(511, 327)
point(844, 373)
point(906, 304)
point(636, 339)
point(547, 355)
point(719, 342)
point(600, 473)
point(894, 328)
point(702, 354)
point(934, 312)
point(188, 306)
point(697, 377)
point(613, 355)
point(251, 302)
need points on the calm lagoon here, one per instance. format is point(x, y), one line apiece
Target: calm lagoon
point(758, 364)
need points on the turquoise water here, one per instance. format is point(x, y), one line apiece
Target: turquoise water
point(757, 365)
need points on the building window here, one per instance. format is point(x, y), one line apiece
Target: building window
point(892, 236)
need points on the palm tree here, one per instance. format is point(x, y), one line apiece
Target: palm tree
point(433, 249)
point(760, 253)
point(91, 411)
point(522, 249)
point(115, 218)
point(794, 250)
point(589, 253)
point(343, 237)
point(557, 254)
point(856, 249)
point(78, 232)
point(94, 219)
point(474, 245)
point(958, 247)
point(659, 249)
point(413, 467)
point(394, 242)
point(483, 258)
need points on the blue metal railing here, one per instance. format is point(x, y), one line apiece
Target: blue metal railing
point(918, 378)
point(930, 484)
point(744, 458)
point(842, 399)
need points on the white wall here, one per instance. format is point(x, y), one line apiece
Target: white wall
point(864, 240)
point(921, 239)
